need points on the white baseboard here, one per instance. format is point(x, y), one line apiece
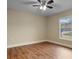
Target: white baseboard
point(27, 43)
point(70, 46)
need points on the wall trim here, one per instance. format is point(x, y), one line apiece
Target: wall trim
point(66, 45)
point(34, 42)
point(27, 43)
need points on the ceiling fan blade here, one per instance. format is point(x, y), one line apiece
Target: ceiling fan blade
point(39, 1)
point(49, 7)
point(49, 2)
point(35, 5)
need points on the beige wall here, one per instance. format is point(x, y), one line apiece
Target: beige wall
point(24, 27)
point(53, 28)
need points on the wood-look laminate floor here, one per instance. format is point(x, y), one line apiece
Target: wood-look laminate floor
point(43, 50)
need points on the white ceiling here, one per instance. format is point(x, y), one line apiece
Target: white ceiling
point(60, 5)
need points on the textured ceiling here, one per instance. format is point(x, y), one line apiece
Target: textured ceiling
point(60, 5)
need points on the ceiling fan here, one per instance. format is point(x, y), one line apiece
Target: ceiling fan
point(43, 4)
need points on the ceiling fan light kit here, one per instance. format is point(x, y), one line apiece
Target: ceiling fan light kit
point(43, 8)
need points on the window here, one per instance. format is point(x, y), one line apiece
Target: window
point(65, 28)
